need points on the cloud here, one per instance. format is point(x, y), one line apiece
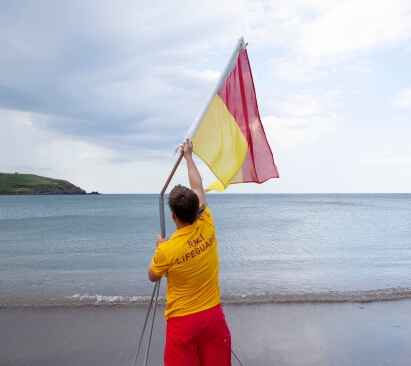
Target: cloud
point(387, 162)
point(30, 149)
point(209, 75)
point(297, 69)
point(363, 66)
point(308, 103)
point(41, 148)
point(343, 29)
point(103, 71)
point(96, 69)
point(402, 99)
point(296, 132)
point(323, 35)
point(302, 118)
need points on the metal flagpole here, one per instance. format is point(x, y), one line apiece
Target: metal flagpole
point(145, 324)
point(152, 322)
point(157, 284)
point(232, 351)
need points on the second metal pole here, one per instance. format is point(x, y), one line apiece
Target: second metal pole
point(163, 235)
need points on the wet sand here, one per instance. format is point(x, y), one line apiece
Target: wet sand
point(263, 334)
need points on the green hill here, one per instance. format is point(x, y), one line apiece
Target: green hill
point(34, 184)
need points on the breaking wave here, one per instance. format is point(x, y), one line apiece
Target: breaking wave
point(79, 300)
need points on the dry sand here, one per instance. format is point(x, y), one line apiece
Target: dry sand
point(263, 334)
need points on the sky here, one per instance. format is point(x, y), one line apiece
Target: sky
point(101, 93)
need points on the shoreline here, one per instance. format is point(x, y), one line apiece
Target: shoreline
point(334, 297)
point(34, 305)
point(262, 334)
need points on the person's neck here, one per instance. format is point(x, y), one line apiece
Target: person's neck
point(180, 224)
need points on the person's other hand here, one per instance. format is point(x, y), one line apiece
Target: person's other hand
point(160, 240)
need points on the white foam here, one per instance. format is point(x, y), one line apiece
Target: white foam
point(111, 299)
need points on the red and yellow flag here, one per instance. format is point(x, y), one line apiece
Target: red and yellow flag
point(228, 135)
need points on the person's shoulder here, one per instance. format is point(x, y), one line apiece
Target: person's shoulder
point(165, 245)
point(205, 213)
point(166, 248)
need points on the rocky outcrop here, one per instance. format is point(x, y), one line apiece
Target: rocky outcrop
point(60, 188)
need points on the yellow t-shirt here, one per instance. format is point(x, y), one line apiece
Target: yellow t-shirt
point(190, 260)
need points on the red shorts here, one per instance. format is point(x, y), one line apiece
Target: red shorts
point(199, 339)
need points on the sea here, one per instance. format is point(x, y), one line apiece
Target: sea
point(95, 249)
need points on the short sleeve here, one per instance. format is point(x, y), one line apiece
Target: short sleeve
point(206, 216)
point(159, 263)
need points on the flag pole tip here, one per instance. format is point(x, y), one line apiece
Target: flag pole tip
point(242, 43)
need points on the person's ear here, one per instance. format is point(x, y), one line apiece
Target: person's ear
point(173, 216)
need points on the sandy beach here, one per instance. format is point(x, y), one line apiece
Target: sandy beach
point(338, 334)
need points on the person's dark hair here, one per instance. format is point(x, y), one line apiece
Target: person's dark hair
point(184, 203)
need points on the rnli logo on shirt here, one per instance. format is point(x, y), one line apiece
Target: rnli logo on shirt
point(197, 246)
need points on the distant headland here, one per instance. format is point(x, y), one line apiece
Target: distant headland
point(34, 184)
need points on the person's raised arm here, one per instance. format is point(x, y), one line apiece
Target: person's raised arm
point(194, 177)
